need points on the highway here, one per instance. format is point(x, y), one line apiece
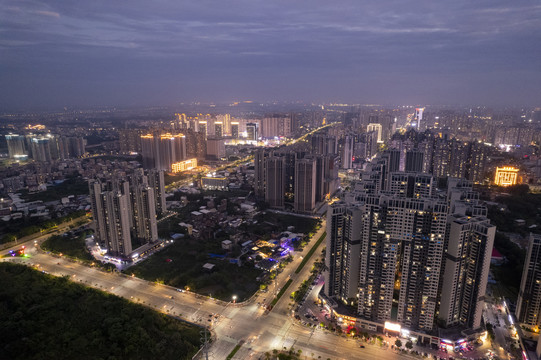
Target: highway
point(230, 323)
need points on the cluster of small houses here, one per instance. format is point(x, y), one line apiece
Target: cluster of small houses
point(13, 207)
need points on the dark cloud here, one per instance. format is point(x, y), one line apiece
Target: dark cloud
point(164, 52)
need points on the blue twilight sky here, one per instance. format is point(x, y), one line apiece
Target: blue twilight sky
point(163, 52)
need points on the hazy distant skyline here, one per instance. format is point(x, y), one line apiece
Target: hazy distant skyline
point(67, 53)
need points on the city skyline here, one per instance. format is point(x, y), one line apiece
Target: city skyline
point(301, 178)
point(102, 54)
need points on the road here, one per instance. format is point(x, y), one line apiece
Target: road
point(230, 323)
point(40, 237)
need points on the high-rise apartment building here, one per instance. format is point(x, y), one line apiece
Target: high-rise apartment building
point(41, 148)
point(252, 131)
point(276, 125)
point(161, 150)
point(467, 262)
point(215, 147)
point(112, 216)
point(125, 210)
point(130, 140)
point(528, 309)
point(414, 161)
point(156, 180)
point(421, 253)
point(235, 129)
point(16, 146)
point(218, 129)
point(305, 185)
point(378, 129)
point(202, 127)
point(225, 120)
point(275, 181)
point(70, 146)
point(143, 209)
point(346, 155)
point(260, 157)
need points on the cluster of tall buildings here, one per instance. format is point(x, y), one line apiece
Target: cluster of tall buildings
point(161, 150)
point(125, 208)
point(442, 156)
point(296, 176)
point(45, 147)
point(407, 251)
point(223, 125)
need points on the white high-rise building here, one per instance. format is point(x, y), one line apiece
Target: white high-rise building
point(377, 128)
point(346, 156)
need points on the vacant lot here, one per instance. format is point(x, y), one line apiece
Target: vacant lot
point(75, 186)
point(72, 246)
point(269, 222)
point(181, 265)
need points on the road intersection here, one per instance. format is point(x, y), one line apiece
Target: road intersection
point(230, 323)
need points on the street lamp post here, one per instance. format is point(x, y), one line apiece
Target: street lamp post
point(234, 299)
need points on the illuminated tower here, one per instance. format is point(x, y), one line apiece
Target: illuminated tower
point(419, 117)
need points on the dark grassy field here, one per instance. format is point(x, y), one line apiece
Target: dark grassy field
point(76, 186)
point(187, 257)
point(68, 245)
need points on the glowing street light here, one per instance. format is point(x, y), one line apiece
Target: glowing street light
point(234, 299)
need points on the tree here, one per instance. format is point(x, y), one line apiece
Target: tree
point(519, 189)
point(409, 345)
point(398, 343)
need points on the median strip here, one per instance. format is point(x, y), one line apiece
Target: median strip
point(234, 351)
point(281, 292)
point(310, 253)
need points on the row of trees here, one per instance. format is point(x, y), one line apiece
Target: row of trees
point(409, 344)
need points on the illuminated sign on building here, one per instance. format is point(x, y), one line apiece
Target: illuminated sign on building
point(392, 326)
point(184, 165)
point(506, 176)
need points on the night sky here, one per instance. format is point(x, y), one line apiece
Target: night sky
point(85, 53)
